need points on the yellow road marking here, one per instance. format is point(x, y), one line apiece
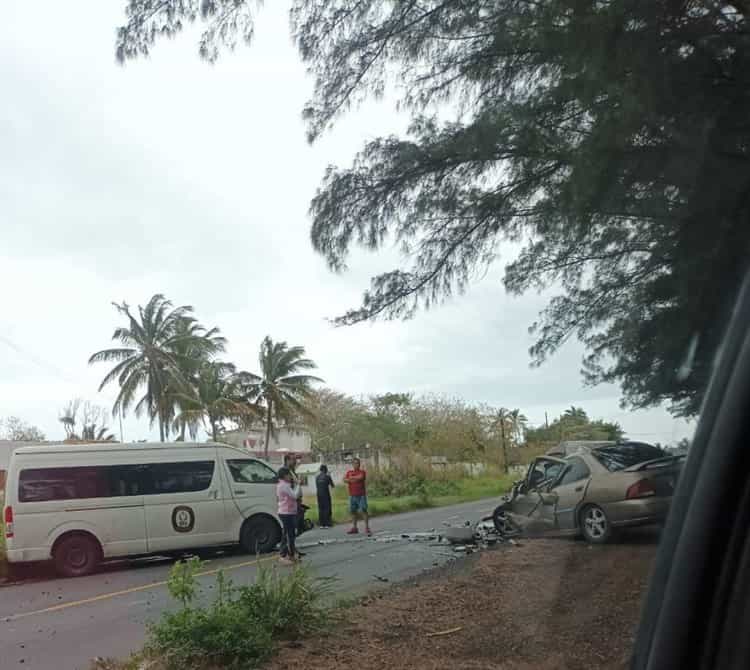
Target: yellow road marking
point(135, 589)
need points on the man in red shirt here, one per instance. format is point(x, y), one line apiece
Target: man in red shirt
point(355, 480)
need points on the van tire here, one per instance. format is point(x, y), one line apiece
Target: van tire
point(260, 535)
point(76, 555)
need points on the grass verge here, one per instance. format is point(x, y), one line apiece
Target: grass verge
point(240, 629)
point(433, 494)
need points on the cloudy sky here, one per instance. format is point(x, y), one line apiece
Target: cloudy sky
point(173, 176)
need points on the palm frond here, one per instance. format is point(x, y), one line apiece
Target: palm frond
point(109, 355)
point(300, 380)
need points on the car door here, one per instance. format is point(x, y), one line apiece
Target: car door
point(533, 503)
point(184, 506)
point(252, 485)
point(567, 493)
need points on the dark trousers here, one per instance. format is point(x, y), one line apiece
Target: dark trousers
point(288, 535)
point(324, 510)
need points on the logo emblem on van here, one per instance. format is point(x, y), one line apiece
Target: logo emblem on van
point(183, 519)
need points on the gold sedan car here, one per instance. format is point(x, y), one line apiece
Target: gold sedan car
point(591, 489)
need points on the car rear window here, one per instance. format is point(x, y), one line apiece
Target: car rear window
point(621, 456)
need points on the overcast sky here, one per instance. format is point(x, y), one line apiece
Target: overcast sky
point(173, 176)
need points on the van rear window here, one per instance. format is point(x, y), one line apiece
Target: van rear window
point(99, 481)
point(109, 481)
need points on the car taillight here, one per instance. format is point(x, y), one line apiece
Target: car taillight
point(641, 489)
point(8, 520)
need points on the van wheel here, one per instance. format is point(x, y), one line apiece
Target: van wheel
point(76, 556)
point(260, 535)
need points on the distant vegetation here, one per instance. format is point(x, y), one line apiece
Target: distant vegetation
point(436, 426)
point(15, 429)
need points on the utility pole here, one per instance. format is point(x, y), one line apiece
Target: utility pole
point(546, 420)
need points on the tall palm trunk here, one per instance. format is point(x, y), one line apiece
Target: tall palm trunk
point(268, 429)
point(161, 428)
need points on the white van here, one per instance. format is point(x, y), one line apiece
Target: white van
point(79, 504)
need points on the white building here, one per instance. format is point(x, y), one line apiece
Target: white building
point(285, 441)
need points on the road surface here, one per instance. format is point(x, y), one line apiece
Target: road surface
point(61, 624)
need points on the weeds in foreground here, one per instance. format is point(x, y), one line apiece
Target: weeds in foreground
point(240, 627)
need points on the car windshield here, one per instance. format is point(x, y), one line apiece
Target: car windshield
point(621, 456)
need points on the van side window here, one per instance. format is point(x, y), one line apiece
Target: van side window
point(248, 471)
point(179, 477)
point(98, 481)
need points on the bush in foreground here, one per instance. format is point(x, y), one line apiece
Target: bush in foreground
point(239, 629)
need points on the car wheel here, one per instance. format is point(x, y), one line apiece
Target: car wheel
point(260, 535)
point(76, 556)
point(595, 525)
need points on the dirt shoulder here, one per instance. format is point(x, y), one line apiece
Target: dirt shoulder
point(546, 604)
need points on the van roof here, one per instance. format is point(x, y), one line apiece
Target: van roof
point(100, 447)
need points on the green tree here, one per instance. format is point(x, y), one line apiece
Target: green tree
point(518, 423)
point(575, 424)
point(193, 348)
point(216, 396)
point(502, 426)
point(610, 137)
point(281, 389)
point(152, 356)
point(17, 430)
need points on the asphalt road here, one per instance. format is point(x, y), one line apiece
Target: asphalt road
point(61, 624)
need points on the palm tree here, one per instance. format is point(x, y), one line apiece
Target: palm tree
point(218, 396)
point(192, 355)
point(93, 418)
point(153, 355)
point(501, 423)
point(281, 390)
point(94, 433)
point(577, 414)
point(517, 425)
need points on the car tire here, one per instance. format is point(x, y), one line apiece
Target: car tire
point(260, 535)
point(595, 526)
point(77, 555)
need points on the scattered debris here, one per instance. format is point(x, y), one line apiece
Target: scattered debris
point(381, 579)
point(459, 534)
point(450, 631)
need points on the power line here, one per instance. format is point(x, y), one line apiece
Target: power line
point(36, 360)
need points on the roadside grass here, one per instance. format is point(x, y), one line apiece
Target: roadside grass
point(240, 628)
point(435, 493)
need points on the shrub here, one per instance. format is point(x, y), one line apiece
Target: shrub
point(239, 628)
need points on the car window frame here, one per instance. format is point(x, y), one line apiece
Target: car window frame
point(568, 468)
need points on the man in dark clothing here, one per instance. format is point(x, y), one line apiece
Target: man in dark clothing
point(324, 484)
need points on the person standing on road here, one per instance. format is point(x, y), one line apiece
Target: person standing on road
point(287, 498)
point(355, 479)
point(323, 486)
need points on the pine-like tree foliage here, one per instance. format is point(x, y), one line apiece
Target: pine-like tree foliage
point(609, 138)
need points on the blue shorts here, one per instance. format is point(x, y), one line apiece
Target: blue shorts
point(357, 504)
